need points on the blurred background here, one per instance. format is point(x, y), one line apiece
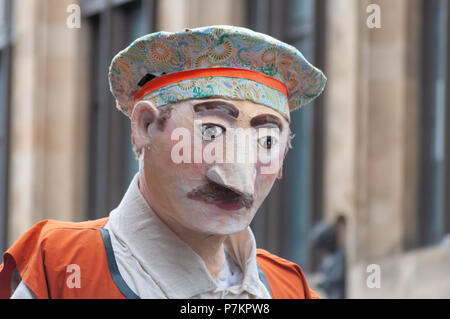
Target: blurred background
point(364, 205)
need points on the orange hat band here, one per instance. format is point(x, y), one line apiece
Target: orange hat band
point(171, 78)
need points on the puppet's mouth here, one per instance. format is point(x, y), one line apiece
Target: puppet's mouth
point(228, 206)
point(221, 197)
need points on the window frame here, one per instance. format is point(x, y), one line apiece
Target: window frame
point(428, 232)
point(5, 109)
point(108, 128)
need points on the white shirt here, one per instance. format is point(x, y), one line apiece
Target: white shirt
point(155, 263)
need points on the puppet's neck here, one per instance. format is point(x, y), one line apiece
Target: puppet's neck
point(209, 247)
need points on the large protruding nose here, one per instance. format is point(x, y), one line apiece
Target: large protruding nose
point(240, 178)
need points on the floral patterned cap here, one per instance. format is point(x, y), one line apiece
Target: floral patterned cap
point(214, 61)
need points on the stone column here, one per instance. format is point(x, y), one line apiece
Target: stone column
point(48, 120)
point(341, 118)
point(175, 15)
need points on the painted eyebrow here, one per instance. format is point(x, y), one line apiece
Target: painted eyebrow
point(266, 119)
point(227, 108)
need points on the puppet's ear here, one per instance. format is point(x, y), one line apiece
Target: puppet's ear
point(144, 114)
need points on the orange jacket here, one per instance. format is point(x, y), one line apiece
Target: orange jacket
point(42, 256)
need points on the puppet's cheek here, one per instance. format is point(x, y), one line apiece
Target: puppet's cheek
point(263, 185)
point(266, 173)
point(268, 163)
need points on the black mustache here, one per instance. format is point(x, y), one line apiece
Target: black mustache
point(212, 192)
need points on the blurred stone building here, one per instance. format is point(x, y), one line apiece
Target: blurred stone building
point(372, 152)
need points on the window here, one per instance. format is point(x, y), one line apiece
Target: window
point(282, 225)
point(434, 199)
point(114, 24)
point(5, 63)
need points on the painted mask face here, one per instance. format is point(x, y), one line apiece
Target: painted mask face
point(209, 163)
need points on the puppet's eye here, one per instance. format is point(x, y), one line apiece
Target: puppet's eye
point(267, 141)
point(211, 131)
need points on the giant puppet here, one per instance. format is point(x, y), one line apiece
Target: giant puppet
point(210, 111)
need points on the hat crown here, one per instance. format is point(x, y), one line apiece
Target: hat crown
point(218, 46)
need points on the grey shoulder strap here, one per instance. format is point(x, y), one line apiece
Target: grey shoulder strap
point(115, 274)
point(264, 280)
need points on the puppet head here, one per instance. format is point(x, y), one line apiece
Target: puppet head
point(210, 111)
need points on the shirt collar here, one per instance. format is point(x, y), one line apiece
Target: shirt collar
point(162, 253)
